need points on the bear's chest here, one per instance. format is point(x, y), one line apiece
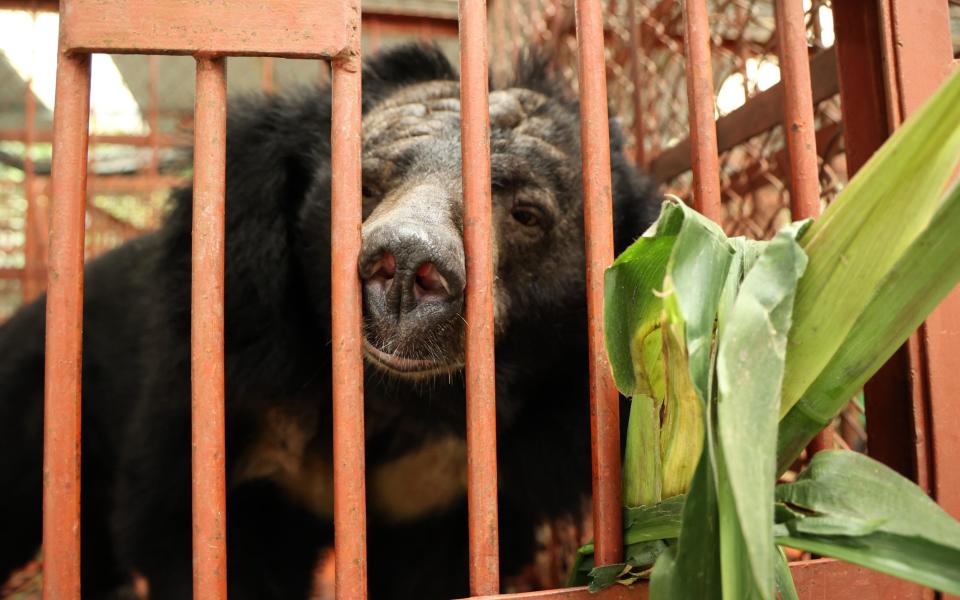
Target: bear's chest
point(421, 481)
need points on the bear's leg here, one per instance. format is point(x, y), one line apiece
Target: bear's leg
point(422, 560)
point(273, 544)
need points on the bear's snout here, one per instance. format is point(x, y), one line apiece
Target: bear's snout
point(412, 266)
point(411, 271)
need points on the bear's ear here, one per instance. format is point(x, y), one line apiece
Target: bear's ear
point(401, 65)
point(534, 69)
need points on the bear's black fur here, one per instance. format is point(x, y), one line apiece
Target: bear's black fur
point(136, 375)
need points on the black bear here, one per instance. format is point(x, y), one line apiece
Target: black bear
point(136, 376)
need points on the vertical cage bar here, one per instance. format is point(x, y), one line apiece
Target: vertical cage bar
point(206, 332)
point(28, 281)
point(61, 433)
point(349, 494)
point(478, 250)
point(703, 128)
point(153, 111)
point(266, 73)
point(798, 122)
point(800, 131)
point(636, 75)
point(501, 59)
point(598, 231)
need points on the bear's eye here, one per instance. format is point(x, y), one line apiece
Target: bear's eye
point(526, 216)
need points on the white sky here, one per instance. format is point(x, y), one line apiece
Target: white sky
point(31, 47)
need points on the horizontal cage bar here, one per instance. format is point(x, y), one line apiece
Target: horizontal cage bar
point(292, 28)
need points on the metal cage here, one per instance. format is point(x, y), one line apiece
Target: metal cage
point(892, 54)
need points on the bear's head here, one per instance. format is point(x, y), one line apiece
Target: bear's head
point(412, 258)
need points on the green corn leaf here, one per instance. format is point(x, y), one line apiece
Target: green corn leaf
point(657, 522)
point(848, 506)
point(749, 374)
point(865, 232)
point(926, 272)
point(691, 568)
point(661, 297)
point(638, 560)
point(642, 479)
point(632, 315)
point(682, 436)
point(632, 308)
point(696, 275)
point(785, 586)
point(642, 525)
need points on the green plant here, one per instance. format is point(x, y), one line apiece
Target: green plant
point(736, 353)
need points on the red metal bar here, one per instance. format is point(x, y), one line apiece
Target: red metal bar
point(636, 74)
point(820, 578)
point(293, 28)
point(373, 30)
point(798, 109)
point(45, 137)
point(515, 37)
point(895, 430)
point(910, 412)
point(61, 435)
point(389, 21)
point(153, 111)
point(703, 130)
point(29, 285)
point(349, 494)
point(500, 30)
point(478, 250)
point(923, 58)
point(206, 352)
point(598, 231)
point(266, 73)
point(407, 22)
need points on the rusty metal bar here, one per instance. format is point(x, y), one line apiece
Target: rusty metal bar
point(818, 578)
point(922, 57)
point(153, 111)
point(43, 137)
point(373, 30)
point(501, 58)
point(206, 332)
point(636, 75)
point(349, 493)
point(293, 28)
point(800, 131)
point(29, 286)
point(798, 121)
point(598, 231)
point(897, 431)
point(703, 131)
point(61, 434)
point(266, 74)
point(478, 250)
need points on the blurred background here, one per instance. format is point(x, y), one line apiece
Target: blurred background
point(142, 110)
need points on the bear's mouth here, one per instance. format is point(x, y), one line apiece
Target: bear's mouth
point(413, 368)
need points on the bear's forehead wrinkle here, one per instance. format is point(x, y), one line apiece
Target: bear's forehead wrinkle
point(433, 108)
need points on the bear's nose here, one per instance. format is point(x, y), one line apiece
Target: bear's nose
point(409, 270)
